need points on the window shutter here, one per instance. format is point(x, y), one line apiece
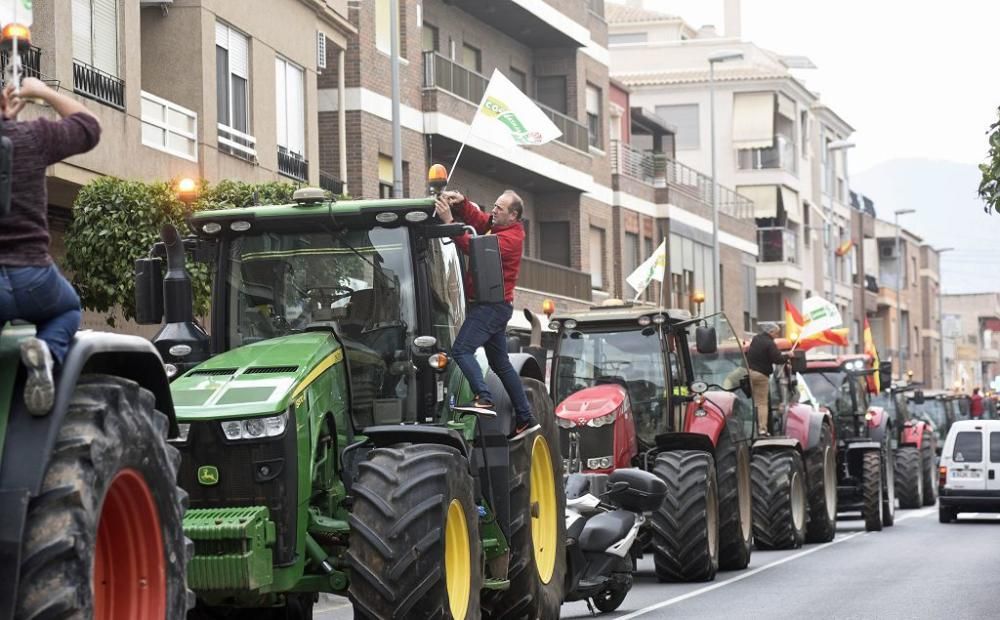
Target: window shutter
point(296, 111)
point(105, 41)
point(239, 54)
point(320, 50)
point(222, 35)
point(82, 32)
point(281, 100)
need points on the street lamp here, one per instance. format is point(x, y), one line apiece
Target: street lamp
point(835, 145)
point(941, 251)
point(899, 278)
point(715, 57)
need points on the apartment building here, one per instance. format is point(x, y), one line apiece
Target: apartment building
point(775, 143)
point(591, 213)
point(971, 343)
point(863, 266)
point(198, 88)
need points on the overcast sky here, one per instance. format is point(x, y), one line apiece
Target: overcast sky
point(916, 78)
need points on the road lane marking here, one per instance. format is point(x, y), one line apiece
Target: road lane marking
point(716, 586)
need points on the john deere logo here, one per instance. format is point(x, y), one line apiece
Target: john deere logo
point(208, 475)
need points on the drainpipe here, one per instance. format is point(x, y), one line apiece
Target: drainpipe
point(342, 117)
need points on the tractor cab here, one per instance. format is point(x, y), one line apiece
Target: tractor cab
point(842, 385)
point(936, 407)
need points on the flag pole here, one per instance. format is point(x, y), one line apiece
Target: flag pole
point(468, 133)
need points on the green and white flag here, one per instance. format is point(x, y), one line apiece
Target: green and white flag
point(820, 315)
point(507, 117)
point(15, 11)
point(653, 268)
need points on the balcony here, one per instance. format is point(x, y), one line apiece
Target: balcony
point(169, 127)
point(237, 143)
point(441, 72)
point(331, 183)
point(292, 165)
point(698, 186)
point(645, 166)
point(98, 85)
point(777, 245)
point(781, 156)
point(538, 275)
point(31, 62)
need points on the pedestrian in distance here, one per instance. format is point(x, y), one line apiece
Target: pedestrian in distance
point(762, 355)
point(31, 287)
point(486, 323)
point(976, 404)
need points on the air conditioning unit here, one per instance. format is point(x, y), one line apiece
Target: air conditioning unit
point(320, 50)
point(887, 251)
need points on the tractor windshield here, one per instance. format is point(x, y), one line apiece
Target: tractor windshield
point(728, 365)
point(632, 358)
point(831, 388)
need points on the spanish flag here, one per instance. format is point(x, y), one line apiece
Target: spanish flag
point(844, 248)
point(837, 336)
point(874, 381)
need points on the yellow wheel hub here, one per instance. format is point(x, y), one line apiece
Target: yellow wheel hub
point(457, 566)
point(543, 509)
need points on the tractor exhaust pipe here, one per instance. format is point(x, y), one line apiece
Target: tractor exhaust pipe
point(182, 343)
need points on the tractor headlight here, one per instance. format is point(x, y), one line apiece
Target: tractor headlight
point(607, 418)
point(602, 462)
point(183, 430)
point(564, 423)
point(255, 428)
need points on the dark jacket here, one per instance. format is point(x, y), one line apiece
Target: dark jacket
point(763, 354)
point(511, 239)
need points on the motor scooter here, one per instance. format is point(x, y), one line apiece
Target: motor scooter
point(605, 514)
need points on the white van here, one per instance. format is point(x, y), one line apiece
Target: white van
point(969, 472)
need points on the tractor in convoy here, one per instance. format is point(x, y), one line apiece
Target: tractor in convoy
point(319, 439)
point(865, 435)
point(657, 389)
point(938, 407)
point(917, 446)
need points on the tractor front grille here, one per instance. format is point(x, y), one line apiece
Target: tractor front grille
point(250, 473)
point(595, 442)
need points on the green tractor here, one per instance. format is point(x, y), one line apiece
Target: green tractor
point(320, 442)
point(90, 511)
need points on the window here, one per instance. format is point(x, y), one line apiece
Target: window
point(594, 125)
point(95, 34)
point(994, 447)
point(685, 118)
point(913, 263)
point(916, 341)
point(520, 79)
point(447, 302)
point(232, 58)
point(630, 261)
point(430, 39)
point(553, 243)
point(526, 225)
point(904, 329)
point(806, 228)
point(385, 176)
point(290, 106)
point(749, 297)
point(969, 447)
point(806, 130)
point(551, 91)
point(472, 58)
point(625, 38)
point(596, 258)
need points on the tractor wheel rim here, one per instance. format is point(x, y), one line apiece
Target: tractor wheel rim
point(130, 575)
point(798, 501)
point(457, 563)
point(830, 483)
point(746, 506)
point(543, 509)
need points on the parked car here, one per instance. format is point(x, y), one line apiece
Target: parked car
point(969, 474)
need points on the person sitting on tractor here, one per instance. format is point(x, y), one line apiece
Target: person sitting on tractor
point(762, 355)
point(486, 323)
point(31, 287)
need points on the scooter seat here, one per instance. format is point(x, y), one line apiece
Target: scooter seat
point(606, 529)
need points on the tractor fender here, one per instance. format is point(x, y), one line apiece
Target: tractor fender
point(913, 434)
point(854, 454)
point(30, 438)
point(777, 443)
point(862, 446)
point(709, 417)
point(798, 423)
point(668, 442)
point(391, 434)
point(816, 421)
point(526, 365)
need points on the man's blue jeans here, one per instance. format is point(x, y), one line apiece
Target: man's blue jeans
point(41, 295)
point(485, 326)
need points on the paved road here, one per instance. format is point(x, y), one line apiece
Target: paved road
point(923, 569)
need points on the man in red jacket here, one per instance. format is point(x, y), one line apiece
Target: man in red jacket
point(485, 324)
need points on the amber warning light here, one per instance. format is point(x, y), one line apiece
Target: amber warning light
point(437, 178)
point(16, 31)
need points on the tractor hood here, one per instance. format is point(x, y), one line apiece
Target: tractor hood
point(257, 379)
point(591, 404)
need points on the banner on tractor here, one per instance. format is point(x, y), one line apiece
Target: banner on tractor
point(819, 315)
point(795, 324)
point(507, 117)
point(653, 268)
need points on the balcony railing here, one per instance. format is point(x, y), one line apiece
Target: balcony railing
point(331, 183)
point(645, 166)
point(777, 245)
point(169, 127)
point(780, 156)
point(237, 143)
point(31, 61)
point(292, 165)
point(539, 275)
point(442, 72)
point(95, 84)
point(699, 186)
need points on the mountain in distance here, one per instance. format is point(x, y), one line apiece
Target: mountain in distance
point(949, 213)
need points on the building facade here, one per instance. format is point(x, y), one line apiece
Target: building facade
point(971, 342)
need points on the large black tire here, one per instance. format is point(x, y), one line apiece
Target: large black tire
point(888, 487)
point(909, 477)
point(406, 499)
point(611, 599)
point(111, 432)
point(686, 525)
point(531, 595)
point(732, 471)
point(929, 473)
point(871, 490)
point(821, 488)
point(779, 499)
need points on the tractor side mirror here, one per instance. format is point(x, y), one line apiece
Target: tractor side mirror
point(148, 291)
point(706, 340)
point(918, 397)
point(885, 373)
point(798, 361)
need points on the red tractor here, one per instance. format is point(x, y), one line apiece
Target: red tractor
point(657, 389)
point(917, 446)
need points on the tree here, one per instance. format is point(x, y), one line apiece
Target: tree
point(117, 221)
point(989, 186)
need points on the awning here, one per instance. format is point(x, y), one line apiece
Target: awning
point(764, 197)
point(790, 201)
point(786, 107)
point(753, 120)
point(650, 122)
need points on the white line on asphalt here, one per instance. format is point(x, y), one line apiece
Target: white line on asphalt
point(716, 586)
